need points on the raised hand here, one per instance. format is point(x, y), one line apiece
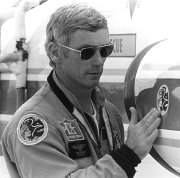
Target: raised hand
point(142, 134)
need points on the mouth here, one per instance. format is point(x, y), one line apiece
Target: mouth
point(95, 73)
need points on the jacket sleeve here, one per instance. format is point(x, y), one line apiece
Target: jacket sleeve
point(49, 159)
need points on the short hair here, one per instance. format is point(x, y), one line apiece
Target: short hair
point(70, 18)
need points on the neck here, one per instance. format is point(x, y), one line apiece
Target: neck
point(82, 94)
point(84, 99)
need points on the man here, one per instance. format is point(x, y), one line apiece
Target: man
point(68, 129)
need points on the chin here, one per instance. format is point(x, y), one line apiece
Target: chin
point(92, 83)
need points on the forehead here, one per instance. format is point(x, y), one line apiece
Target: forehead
point(82, 37)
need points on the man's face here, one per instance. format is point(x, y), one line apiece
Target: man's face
point(84, 73)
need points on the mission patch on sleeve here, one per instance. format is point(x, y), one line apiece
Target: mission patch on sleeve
point(32, 129)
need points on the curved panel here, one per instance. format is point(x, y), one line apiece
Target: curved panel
point(152, 80)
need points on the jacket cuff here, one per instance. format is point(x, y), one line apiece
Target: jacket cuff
point(126, 159)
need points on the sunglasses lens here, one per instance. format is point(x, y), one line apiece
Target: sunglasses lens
point(87, 53)
point(106, 50)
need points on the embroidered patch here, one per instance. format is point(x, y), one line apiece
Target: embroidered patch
point(32, 129)
point(71, 130)
point(163, 99)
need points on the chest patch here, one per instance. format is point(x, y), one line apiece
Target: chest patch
point(71, 130)
point(32, 129)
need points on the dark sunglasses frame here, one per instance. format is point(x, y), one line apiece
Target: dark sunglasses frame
point(84, 53)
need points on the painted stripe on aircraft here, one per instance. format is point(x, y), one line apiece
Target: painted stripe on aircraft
point(167, 142)
point(166, 137)
point(109, 75)
point(107, 71)
point(170, 74)
point(104, 78)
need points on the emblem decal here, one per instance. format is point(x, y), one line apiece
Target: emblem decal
point(162, 100)
point(71, 130)
point(32, 129)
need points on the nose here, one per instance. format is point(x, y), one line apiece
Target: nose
point(98, 59)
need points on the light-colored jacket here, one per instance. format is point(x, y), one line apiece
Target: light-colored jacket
point(45, 140)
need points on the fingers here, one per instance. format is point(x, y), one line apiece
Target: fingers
point(153, 137)
point(153, 126)
point(134, 116)
point(147, 121)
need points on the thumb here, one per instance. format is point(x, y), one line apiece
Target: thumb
point(134, 116)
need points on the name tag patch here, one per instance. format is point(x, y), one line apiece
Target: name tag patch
point(78, 149)
point(71, 130)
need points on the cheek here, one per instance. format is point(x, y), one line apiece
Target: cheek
point(77, 68)
point(83, 69)
point(74, 69)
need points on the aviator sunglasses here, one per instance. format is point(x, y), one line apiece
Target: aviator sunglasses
point(88, 52)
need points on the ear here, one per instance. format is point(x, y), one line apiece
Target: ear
point(54, 52)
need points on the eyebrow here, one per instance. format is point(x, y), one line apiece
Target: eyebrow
point(85, 46)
